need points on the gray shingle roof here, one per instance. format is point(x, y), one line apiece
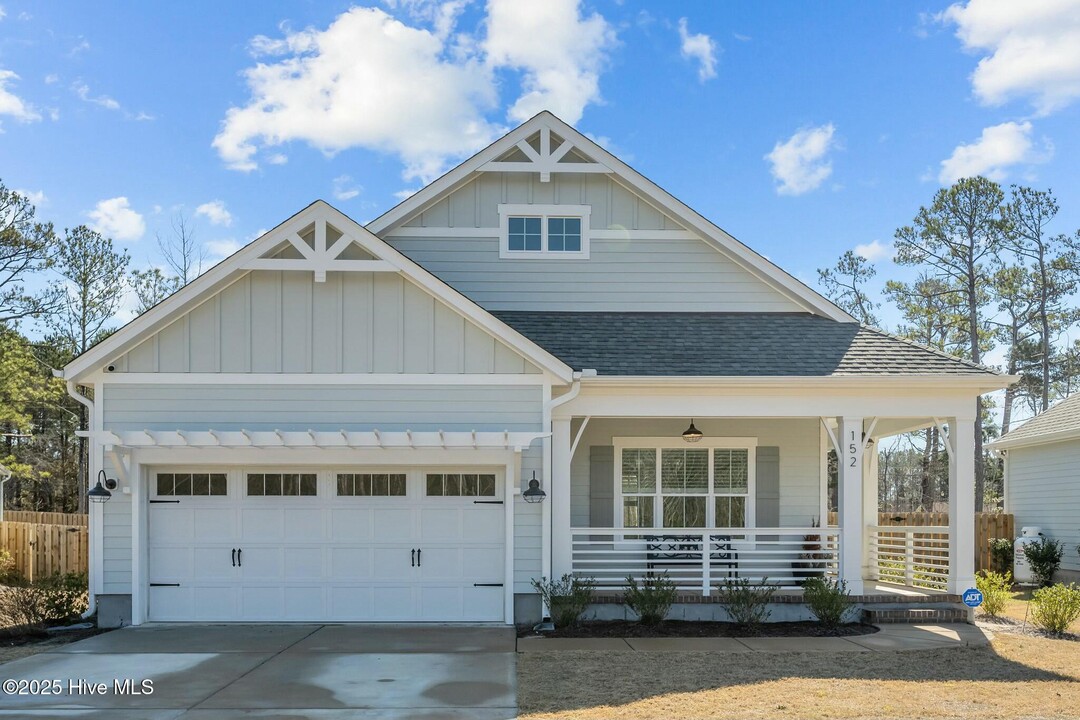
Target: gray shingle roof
point(727, 344)
point(1062, 419)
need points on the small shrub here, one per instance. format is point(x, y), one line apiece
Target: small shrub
point(829, 600)
point(996, 588)
point(566, 598)
point(7, 567)
point(1001, 554)
point(1055, 608)
point(44, 602)
point(652, 599)
point(746, 600)
point(1044, 556)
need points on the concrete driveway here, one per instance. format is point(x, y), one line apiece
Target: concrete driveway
point(198, 672)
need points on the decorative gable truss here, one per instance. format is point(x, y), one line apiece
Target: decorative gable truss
point(320, 248)
point(536, 155)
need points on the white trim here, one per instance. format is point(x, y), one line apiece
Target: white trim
point(510, 493)
point(126, 378)
point(441, 233)
point(230, 270)
point(545, 213)
point(322, 440)
point(316, 265)
point(544, 162)
point(1006, 443)
point(757, 265)
point(667, 443)
point(981, 383)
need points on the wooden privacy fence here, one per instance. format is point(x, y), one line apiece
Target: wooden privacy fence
point(45, 518)
point(987, 526)
point(41, 550)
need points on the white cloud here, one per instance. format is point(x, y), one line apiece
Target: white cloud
point(83, 91)
point(220, 249)
point(997, 148)
point(277, 159)
point(403, 195)
point(800, 164)
point(874, 251)
point(345, 188)
point(114, 218)
point(3, 13)
point(37, 199)
point(82, 46)
point(353, 84)
point(1031, 49)
point(215, 212)
point(52, 78)
point(560, 53)
point(698, 47)
point(13, 105)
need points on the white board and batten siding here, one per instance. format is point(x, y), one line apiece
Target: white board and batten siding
point(641, 260)
point(355, 322)
point(1042, 489)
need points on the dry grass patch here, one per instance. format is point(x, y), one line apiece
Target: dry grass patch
point(1016, 677)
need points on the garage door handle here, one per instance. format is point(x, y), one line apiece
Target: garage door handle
point(417, 558)
point(412, 558)
point(240, 557)
point(234, 557)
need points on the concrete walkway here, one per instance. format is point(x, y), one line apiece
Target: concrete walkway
point(891, 638)
point(327, 672)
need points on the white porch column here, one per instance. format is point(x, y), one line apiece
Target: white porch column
point(559, 496)
point(961, 504)
point(870, 506)
point(852, 527)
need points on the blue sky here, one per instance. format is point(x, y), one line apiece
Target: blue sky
point(804, 129)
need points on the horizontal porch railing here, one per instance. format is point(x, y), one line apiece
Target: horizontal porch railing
point(912, 555)
point(697, 559)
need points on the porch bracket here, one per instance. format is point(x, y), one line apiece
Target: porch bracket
point(869, 434)
point(832, 437)
point(580, 432)
point(946, 436)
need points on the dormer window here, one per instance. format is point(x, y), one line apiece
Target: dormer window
point(550, 232)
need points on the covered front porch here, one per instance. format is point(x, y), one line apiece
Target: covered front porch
point(761, 495)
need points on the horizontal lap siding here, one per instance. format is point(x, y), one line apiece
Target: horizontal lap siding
point(116, 540)
point(527, 529)
point(797, 439)
point(321, 407)
point(643, 274)
point(1043, 489)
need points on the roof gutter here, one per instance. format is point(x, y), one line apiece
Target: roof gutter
point(986, 382)
point(1007, 443)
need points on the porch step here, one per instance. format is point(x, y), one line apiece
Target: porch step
point(943, 613)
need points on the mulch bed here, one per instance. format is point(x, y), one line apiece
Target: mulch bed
point(688, 628)
point(11, 637)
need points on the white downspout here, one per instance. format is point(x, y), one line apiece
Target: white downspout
point(546, 522)
point(91, 596)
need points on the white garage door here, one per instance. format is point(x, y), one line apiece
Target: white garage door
point(350, 544)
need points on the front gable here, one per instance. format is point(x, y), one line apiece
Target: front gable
point(317, 295)
point(642, 249)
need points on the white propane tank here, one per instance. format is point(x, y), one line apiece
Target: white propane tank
point(1021, 567)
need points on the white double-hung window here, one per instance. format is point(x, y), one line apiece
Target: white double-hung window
point(666, 483)
point(544, 231)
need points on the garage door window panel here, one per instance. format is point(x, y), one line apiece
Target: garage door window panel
point(371, 485)
point(191, 484)
point(460, 485)
point(282, 485)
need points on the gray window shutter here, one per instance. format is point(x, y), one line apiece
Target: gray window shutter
point(768, 487)
point(601, 486)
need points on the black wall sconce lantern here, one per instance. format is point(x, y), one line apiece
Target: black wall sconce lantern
point(534, 494)
point(100, 492)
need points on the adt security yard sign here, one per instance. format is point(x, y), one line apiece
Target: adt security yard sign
point(973, 598)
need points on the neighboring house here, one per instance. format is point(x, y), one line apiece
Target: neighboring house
point(337, 422)
point(1042, 477)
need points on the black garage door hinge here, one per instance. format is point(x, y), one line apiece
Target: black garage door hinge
point(487, 502)
point(487, 584)
point(164, 501)
point(164, 584)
